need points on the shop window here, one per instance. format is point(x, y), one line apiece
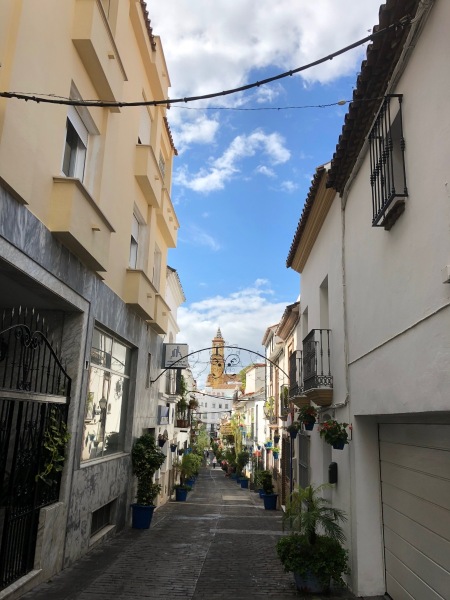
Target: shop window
point(106, 402)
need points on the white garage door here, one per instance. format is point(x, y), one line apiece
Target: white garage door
point(415, 476)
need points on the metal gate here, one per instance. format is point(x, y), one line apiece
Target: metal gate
point(34, 400)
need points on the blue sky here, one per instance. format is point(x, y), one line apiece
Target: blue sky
point(242, 176)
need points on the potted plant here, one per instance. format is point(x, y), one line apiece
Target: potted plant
point(146, 459)
point(334, 433)
point(316, 559)
point(173, 447)
point(307, 415)
point(161, 440)
point(276, 437)
point(269, 498)
point(181, 492)
point(293, 429)
point(276, 452)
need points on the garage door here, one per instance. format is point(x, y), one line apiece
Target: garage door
point(415, 484)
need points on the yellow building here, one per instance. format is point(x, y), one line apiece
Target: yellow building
point(86, 220)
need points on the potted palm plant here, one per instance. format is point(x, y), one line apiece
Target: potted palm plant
point(146, 459)
point(316, 559)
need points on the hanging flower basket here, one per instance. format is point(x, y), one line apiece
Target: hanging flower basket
point(276, 455)
point(334, 433)
point(173, 447)
point(268, 445)
point(307, 415)
point(292, 429)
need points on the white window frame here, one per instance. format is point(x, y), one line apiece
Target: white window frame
point(77, 157)
point(134, 243)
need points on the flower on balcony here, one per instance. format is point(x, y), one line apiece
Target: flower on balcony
point(307, 414)
point(334, 432)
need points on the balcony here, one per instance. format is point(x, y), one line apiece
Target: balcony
point(78, 223)
point(167, 220)
point(317, 378)
point(296, 394)
point(140, 294)
point(160, 320)
point(96, 47)
point(148, 175)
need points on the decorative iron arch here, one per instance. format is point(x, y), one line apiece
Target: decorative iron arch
point(232, 360)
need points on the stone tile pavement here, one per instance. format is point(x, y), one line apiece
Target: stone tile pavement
point(219, 545)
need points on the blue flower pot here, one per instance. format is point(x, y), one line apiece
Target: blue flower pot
point(270, 501)
point(190, 481)
point(244, 484)
point(339, 445)
point(180, 495)
point(309, 425)
point(261, 493)
point(141, 516)
point(276, 455)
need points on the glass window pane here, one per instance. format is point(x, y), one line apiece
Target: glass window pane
point(101, 349)
point(119, 357)
point(105, 409)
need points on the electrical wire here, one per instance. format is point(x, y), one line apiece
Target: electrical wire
point(51, 99)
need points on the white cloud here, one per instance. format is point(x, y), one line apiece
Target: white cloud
point(289, 186)
point(213, 46)
point(225, 167)
point(199, 130)
point(194, 235)
point(243, 318)
point(263, 170)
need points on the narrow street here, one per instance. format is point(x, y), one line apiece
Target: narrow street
point(220, 544)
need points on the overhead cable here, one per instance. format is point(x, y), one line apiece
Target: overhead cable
point(47, 99)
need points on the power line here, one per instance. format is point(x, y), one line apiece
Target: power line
point(49, 99)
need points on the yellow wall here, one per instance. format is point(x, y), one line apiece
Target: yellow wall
point(47, 46)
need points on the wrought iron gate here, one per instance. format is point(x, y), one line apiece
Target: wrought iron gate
point(34, 399)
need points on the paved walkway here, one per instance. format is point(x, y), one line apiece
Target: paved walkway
point(219, 545)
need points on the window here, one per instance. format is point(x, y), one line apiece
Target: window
point(145, 123)
point(387, 164)
point(220, 406)
point(162, 165)
point(156, 277)
point(134, 242)
point(101, 517)
point(76, 145)
point(226, 405)
point(148, 374)
point(303, 459)
point(214, 405)
point(106, 402)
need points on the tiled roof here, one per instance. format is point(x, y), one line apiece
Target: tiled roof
point(376, 70)
point(305, 213)
point(147, 24)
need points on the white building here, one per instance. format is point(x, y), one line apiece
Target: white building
point(373, 250)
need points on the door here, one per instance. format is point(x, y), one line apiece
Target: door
point(415, 484)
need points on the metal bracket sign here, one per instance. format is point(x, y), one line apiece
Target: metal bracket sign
point(176, 356)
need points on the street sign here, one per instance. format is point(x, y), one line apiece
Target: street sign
point(175, 356)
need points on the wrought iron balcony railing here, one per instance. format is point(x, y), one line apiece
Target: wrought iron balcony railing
point(317, 360)
point(387, 163)
point(295, 374)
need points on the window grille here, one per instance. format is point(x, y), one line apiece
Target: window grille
point(387, 163)
point(101, 518)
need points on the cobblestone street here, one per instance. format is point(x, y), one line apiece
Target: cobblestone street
point(220, 544)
